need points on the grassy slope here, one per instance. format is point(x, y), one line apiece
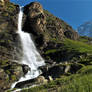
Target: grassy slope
point(73, 83)
point(79, 82)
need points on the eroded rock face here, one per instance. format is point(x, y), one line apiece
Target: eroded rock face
point(10, 46)
point(44, 26)
point(35, 17)
point(71, 34)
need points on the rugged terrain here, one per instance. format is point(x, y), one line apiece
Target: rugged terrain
point(67, 55)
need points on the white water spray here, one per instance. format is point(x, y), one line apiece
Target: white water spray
point(31, 56)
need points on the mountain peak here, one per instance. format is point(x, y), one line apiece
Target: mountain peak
point(85, 29)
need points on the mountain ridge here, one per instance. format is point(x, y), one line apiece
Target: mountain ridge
point(85, 29)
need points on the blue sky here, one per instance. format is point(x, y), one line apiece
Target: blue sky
point(74, 12)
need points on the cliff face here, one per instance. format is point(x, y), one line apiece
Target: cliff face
point(48, 31)
point(10, 46)
point(42, 23)
point(64, 52)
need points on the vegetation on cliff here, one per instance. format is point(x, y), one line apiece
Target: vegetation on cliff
point(68, 56)
point(76, 79)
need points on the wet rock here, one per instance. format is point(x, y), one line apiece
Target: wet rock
point(26, 68)
point(32, 82)
point(24, 84)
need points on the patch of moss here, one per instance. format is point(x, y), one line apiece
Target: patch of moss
point(13, 77)
point(52, 51)
point(4, 63)
point(8, 72)
point(78, 46)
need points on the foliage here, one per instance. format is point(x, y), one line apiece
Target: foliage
point(81, 81)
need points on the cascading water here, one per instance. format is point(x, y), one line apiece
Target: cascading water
point(31, 56)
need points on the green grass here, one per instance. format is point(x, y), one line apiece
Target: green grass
point(73, 83)
point(86, 70)
point(85, 39)
point(79, 82)
point(71, 45)
point(78, 46)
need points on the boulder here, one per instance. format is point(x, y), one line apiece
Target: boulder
point(26, 68)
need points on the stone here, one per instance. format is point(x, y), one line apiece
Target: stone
point(41, 80)
point(26, 68)
point(50, 78)
point(67, 69)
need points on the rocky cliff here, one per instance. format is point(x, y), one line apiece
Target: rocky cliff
point(66, 54)
point(10, 46)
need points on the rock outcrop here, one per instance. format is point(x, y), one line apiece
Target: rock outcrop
point(44, 26)
point(47, 30)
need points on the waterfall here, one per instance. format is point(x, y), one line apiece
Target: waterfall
point(31, 57)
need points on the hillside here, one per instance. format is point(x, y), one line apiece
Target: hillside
point(67, 55)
